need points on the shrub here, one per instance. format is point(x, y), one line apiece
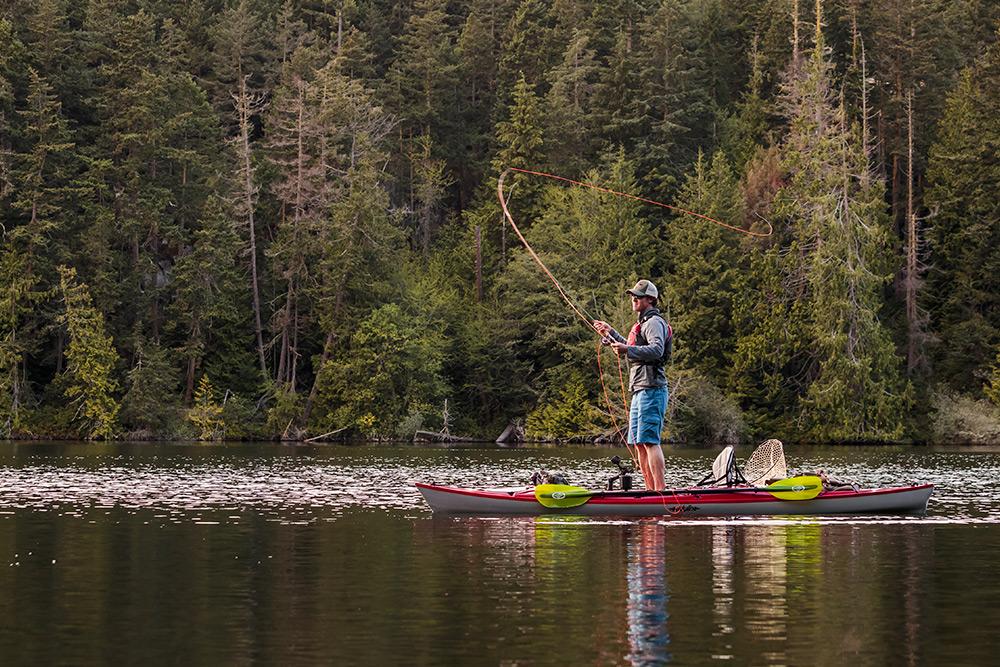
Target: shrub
point(700, 412)
point(958, 418)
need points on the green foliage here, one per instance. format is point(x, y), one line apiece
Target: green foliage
point(827, 282)
point(91, 361)
point(961, 419)
point(701, 413)
point(706, 263)
point(151, 403)
point(520, 140)
point(568, 414)
point(992, 387)
point(372, 146)
point(963, 177)
point(284, 413)
point(206, 413)
point(391, 369)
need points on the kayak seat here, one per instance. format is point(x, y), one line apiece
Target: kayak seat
point(724, 470)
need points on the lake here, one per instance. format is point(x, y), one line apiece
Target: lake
point(157, 553)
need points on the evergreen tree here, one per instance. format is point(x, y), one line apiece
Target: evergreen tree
point(829, 278)
point(422, 82)
point(675, 104)
point(526, 52)
point(206, 413)
point(745, 129)
point(478, 50)
point(239, 55)
point(41, 206)
point(399, 358)
point(150, 402)
point(207, 294)
point(706, 260)
point(569, 130)
point(616, 95)
point(965, 234)
point(296, 137)
point(91, 360)
point(520, 141)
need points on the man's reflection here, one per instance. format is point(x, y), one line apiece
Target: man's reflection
point(647, 595)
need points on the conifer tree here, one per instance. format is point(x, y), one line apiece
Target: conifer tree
point(616, 95)
point(569, 130)
point(745, 130)
point(360, 239)
point(422, 83)
point(91, 359)
point(150, 401)
point(675, 103)
point(705, 263)
point(35, 236)
point(828, 281)
point(964, 237)
point(525, 51)
point(477, 50)
point(295, 146)
point(239, 55)
point(520, 145)
point(206, 413)
point(206, 287)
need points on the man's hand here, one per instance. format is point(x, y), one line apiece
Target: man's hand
point(602, 328)
point(619, 348)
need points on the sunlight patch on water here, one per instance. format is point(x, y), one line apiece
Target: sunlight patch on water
point(211, 485)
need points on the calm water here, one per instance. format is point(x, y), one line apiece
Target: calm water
point(237, 554)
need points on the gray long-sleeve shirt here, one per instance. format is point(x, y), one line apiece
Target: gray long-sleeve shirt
point(646, 376)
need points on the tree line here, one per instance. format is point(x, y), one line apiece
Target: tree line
point(256, 218)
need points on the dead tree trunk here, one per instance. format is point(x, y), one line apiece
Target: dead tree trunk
point(246, 105)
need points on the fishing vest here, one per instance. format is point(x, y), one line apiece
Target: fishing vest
point(635, 337)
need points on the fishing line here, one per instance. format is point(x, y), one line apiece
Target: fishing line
point(576, 308)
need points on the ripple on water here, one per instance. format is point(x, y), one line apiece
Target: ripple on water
point(320, 484)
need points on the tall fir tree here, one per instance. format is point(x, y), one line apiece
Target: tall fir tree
point(90, 385)
point(705, 261)
point(830, 276)
point(963, 178)
point(569, 120)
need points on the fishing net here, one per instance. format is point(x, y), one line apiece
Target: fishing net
point(766, 464)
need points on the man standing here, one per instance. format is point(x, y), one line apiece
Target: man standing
point(646, 348)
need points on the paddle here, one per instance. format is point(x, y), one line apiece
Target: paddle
point(804, 487)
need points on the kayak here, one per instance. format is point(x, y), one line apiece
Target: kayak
point(697, 501)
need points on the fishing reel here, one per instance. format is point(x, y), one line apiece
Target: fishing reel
point(623, 478)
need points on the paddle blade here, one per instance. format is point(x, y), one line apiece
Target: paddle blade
point(561, 495)
point(803, 487)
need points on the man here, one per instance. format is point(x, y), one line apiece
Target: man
point(646, 348)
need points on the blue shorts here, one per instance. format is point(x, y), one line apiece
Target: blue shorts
point(645, 419)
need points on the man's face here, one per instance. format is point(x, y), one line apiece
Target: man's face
point(640, 303)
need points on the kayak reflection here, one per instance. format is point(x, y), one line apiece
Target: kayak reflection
point(646, 610)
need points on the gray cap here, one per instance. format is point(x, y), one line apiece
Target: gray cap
point(644, 288)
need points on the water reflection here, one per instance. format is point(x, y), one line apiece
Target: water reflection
point(723, 587)
point(647, 615)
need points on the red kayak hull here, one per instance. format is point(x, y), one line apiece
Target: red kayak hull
point(490, 502)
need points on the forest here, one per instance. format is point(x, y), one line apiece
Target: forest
point(249, 219)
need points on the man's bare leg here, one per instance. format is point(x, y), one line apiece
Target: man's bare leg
point(647, 475)
point(651, 462)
